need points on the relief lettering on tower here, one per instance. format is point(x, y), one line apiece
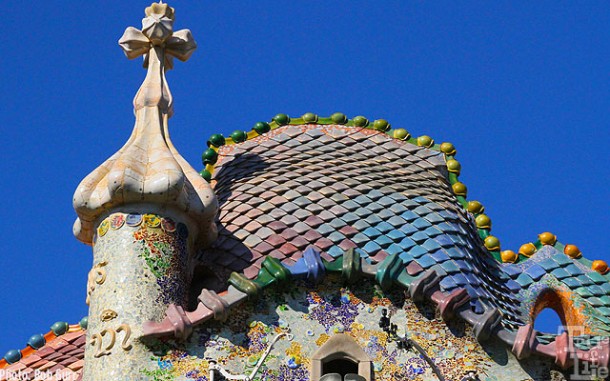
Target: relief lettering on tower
point(108, 315)
point(97, 276)
point(105, 340)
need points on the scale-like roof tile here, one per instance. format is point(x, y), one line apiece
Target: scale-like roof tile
point(56, 355)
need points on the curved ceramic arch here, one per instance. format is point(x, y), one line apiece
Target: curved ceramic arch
point(341, 346)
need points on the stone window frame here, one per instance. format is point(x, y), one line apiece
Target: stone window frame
point(341, 347)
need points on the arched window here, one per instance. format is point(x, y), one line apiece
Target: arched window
point(341, 366)
point(553, 312)
point(340, 359)
point(548, 321)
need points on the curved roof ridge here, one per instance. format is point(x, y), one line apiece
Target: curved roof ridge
point(482, 220)
point(37, 343)
point(420, 285)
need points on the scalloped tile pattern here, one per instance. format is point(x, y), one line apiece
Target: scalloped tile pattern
point(61, 356)
point(335, 187)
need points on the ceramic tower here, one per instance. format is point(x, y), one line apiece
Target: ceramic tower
point(145, 211)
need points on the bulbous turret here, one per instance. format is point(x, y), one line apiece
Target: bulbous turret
point(148, 170)
point(147, 211)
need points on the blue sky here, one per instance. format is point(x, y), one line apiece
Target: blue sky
point(522, 89)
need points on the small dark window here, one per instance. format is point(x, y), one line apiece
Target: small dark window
point(338, 377)
point(340, 366)
point(341, 359)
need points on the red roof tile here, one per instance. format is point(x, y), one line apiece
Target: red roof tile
point(61, 356)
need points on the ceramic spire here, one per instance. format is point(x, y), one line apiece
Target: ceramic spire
point(148, 171)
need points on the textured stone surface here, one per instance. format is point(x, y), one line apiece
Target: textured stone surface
point(146, 270)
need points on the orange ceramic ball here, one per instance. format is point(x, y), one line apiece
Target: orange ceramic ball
point(528, 249)
point(572, 251)
point(509, 256)
point(600, 266)
point(547, 238)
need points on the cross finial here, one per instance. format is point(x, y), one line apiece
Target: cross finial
point(158, 30)
point(158, 42)
point(148, 170)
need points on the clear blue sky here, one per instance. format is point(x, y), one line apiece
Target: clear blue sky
point(522, 88)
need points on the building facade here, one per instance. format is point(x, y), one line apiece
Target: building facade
point(309, 248)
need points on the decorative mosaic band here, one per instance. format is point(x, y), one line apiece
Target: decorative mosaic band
point(117, 220)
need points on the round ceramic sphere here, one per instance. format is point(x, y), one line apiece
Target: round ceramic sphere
point(600, 266)
point(206, 175)
point(216, 140)
point(459, 189)
point(448, 149)
point(209, 156)
point(381, 125)
point(84, 322)
point(509, 256)
point(338, 118)
point(60, 327)
point(12, 356)
point(36, 341)
point(281, 119)
point(425, 141)
point(572, 251)
point(360, 121)
point(310, 117)
point(547, 238)
point(492, 243)
point(483, 221)
point(261, 127)
point(239, 136)
point(527, 249)
point(401, 133)
point(454, 166)
point(475, 207)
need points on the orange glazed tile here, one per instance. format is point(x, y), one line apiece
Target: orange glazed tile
point(29, 360)
point(40, 363)
point(16, 367)
point(57, 343)
point(48, 365)
point(77, 365)
point(71, 336)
